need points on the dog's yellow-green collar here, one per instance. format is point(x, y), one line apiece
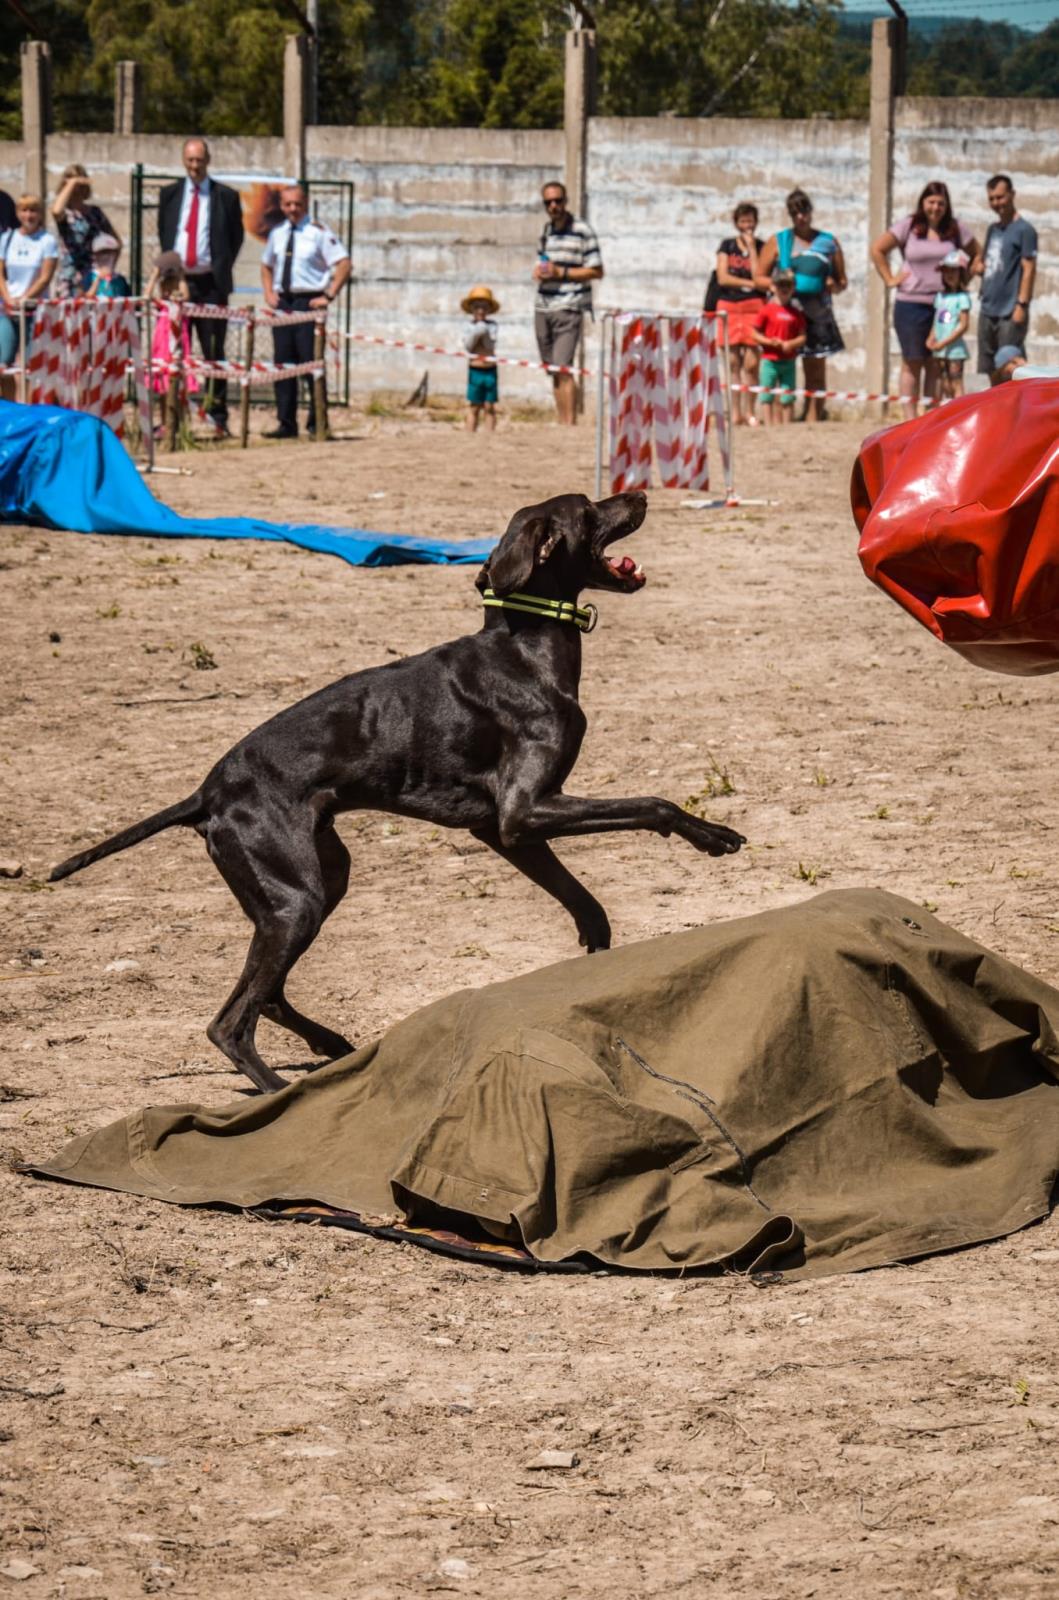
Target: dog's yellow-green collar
point(533, 605)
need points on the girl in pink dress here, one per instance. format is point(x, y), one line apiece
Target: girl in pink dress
point(172, 336)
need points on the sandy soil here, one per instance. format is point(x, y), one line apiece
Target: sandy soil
point(203, 1404)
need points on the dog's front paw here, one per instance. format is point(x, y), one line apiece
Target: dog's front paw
point(714, 839)
point(594, 931)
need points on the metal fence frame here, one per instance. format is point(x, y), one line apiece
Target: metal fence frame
point(143, 190)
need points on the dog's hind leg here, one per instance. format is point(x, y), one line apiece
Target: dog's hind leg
point(274, 869)
point(538, 862)
point(322, 1041)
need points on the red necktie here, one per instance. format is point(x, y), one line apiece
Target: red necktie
point(191, 253)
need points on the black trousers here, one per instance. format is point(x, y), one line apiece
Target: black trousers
point(294, 344)
point(212, 335)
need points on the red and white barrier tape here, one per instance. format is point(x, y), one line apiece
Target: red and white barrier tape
point(461, 355)
point(239, 314)
point(862, 395)
point(259, 371)
point(192, 308)
point(287, 319)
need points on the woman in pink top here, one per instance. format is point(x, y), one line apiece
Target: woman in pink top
point(924, 240)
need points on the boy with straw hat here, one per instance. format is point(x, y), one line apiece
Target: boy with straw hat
point(479, 340)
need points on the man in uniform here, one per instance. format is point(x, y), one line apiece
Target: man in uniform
point(303, 268)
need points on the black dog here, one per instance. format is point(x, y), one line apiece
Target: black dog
point(480, 733)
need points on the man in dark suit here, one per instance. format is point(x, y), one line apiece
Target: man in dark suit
point(203, 222)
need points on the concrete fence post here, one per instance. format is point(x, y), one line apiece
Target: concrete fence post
point(579, 102)
point(296, 64)
point(36, 115)
point(887, 72)
point(128, 97)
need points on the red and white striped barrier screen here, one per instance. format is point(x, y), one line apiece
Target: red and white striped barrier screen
point(665, 391)
point(79, 356)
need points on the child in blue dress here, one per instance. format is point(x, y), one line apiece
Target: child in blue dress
point(952, 313)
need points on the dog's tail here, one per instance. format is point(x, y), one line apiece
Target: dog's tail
point(182, 814)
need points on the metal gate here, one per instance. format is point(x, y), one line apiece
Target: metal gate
point(331, 202)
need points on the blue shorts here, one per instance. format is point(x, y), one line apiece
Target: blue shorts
point(482, 386)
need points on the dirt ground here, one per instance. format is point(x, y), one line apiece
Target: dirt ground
point(199, 1403)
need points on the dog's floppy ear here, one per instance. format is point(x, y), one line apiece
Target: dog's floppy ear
point(528, 542)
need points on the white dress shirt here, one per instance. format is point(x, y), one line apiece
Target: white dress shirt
point(316, 250)
point(203, 237)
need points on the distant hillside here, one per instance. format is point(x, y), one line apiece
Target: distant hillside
point(961, 56)
point(859, 26)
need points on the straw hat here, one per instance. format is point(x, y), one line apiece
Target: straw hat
point(480, 292)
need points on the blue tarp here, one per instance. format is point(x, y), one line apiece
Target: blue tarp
point(59, 469)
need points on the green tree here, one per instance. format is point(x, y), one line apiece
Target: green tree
point(1033, 66)
point(494, 65)
point(218, 64)
point(734, 58)
point(63, 24)
point(962, 59)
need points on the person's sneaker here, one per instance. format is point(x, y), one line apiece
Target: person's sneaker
point(280, 433)
point(219, 429)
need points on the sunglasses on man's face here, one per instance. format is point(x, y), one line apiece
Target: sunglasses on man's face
point(554, 200)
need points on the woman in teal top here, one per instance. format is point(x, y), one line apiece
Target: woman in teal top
point(816, 259)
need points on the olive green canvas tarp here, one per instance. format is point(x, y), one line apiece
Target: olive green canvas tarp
point(828, 1086)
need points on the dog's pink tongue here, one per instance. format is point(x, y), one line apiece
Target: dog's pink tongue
point(626, 565)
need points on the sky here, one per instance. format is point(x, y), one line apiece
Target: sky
point(1022, 13)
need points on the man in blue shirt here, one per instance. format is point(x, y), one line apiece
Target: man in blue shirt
point(1008, 266)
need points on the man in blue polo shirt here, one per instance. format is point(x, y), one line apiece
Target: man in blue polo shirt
point(568, 259)
point(1008, 266)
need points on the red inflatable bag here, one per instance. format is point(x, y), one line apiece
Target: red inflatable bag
point(958, 513)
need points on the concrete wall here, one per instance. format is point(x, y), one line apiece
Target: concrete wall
point(662, 193)
point(437, 210)
point(1019, 137)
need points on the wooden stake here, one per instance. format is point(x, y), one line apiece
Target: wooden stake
point(320, 381)
point(244, 398)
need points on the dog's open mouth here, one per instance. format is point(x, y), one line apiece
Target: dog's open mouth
point(628, 573)
point(621, 515)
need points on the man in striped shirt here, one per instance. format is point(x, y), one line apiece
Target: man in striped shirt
point(568, 259)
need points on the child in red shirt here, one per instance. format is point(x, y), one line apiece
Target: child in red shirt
point(780, 331)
